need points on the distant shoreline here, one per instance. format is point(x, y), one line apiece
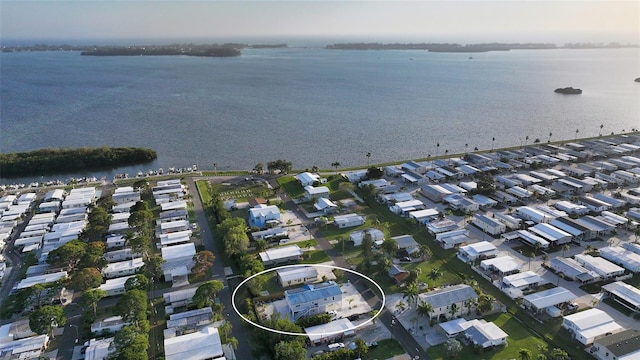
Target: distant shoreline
point(201, 49)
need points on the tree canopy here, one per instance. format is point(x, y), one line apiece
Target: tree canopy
point(86, 278)
point(42, 320)
point(206, 293)
point(67, 255)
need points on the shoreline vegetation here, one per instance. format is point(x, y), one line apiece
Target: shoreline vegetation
point(234, 49)
point(207, 50)
point(60, 160)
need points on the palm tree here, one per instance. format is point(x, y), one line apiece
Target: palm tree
point(453, 310)
point(493, 140)
point(601, 126)
point(550, 135)
point(577, 131)
point(437, 149)
point(410, 292)
point(526, 139)
point(565, 248)
point(368, 157)
point(465, 148)
point(400, 306)
point(434, 274)
point(525, 354)
point(335, 165)
point(424, 309)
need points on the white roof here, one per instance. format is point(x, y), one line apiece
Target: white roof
point(173, 205)
point(117, 283)
point(136, 263)
point(294, 273)
point(175, 237)
point(41, 279)
point(333, 328)
point(204, 344)
point(626, 258)
point(549, 232)
point(423, 213)
point(307, 177)
point(481, 332)
point(524, 279)
point(479, 248)
point(550, 297)
point(588, 318)
point(263, 211)
point(281, 253)
point(598, 264)
point(625, 291)
point(503, 264)
point(178, 251)
point(179, 295)
point(312, 190)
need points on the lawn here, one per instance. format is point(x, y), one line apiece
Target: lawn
point(291, 186)
point(386, 349)
point(519, 337)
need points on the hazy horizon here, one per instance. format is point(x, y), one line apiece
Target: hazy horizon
point(557, 22)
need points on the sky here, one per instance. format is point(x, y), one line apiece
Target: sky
point(425, 21)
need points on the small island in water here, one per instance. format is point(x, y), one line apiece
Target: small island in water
point(568, 91)
point(156, 50)
point(67, 160)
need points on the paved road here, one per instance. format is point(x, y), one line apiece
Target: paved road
point(244, 349)
point(386, 318)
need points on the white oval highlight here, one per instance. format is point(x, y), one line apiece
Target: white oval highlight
point(233, 303)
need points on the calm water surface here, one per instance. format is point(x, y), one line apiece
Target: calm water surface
point(312, 106)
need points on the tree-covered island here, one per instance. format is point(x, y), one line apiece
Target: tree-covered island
point(63, 160)
point(225, 50)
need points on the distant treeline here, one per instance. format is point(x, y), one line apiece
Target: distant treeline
point(64, 160)
point(174, 48)
point(193, 50)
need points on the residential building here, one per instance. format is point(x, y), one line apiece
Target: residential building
point(489, 225)
point(358, 235)
point(588, 325)
point(407, 243)
point(543, 300)
point(625, 258)
point(503, 265)
point(348, 220)
point(307, 178)
point(311, 192)
point(571, 269)
point(310, 300)
point(122, 268)
point(451, 301)
point(477, 251)
point(453, 238)
point(329, 332)
point(281, 255)
point(485, 334)
point(264, 215)
point(297, 275)
point(114, 287)
point(98, 349)
point(624, 294)
point(111, 324)
point(204, 344)
point(624, 345)
point(606, 269)
point(326, 206)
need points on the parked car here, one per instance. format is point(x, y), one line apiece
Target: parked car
point(336, 346)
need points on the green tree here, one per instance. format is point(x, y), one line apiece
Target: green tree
point(44, 319)
point(67, 255)
point(153, 267)
point(91, 297)
point(485, 302)
point(559, 354)
point(236, 241)
point(139, 242)
point(94, 256)
point(206, 293)
point(289, 351)
point(525, 354)
point(410, 293)
point(139, 282)
point(452, 347)
point(261, 245)
point(86, 278)
point(98, 223)
point(374, 173)
point(132, 306)
point(389, 246)
point(424, 309)
point(259, 168)
point(203, 260)
point(130, 344)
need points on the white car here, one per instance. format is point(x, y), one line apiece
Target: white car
point(336, 346)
